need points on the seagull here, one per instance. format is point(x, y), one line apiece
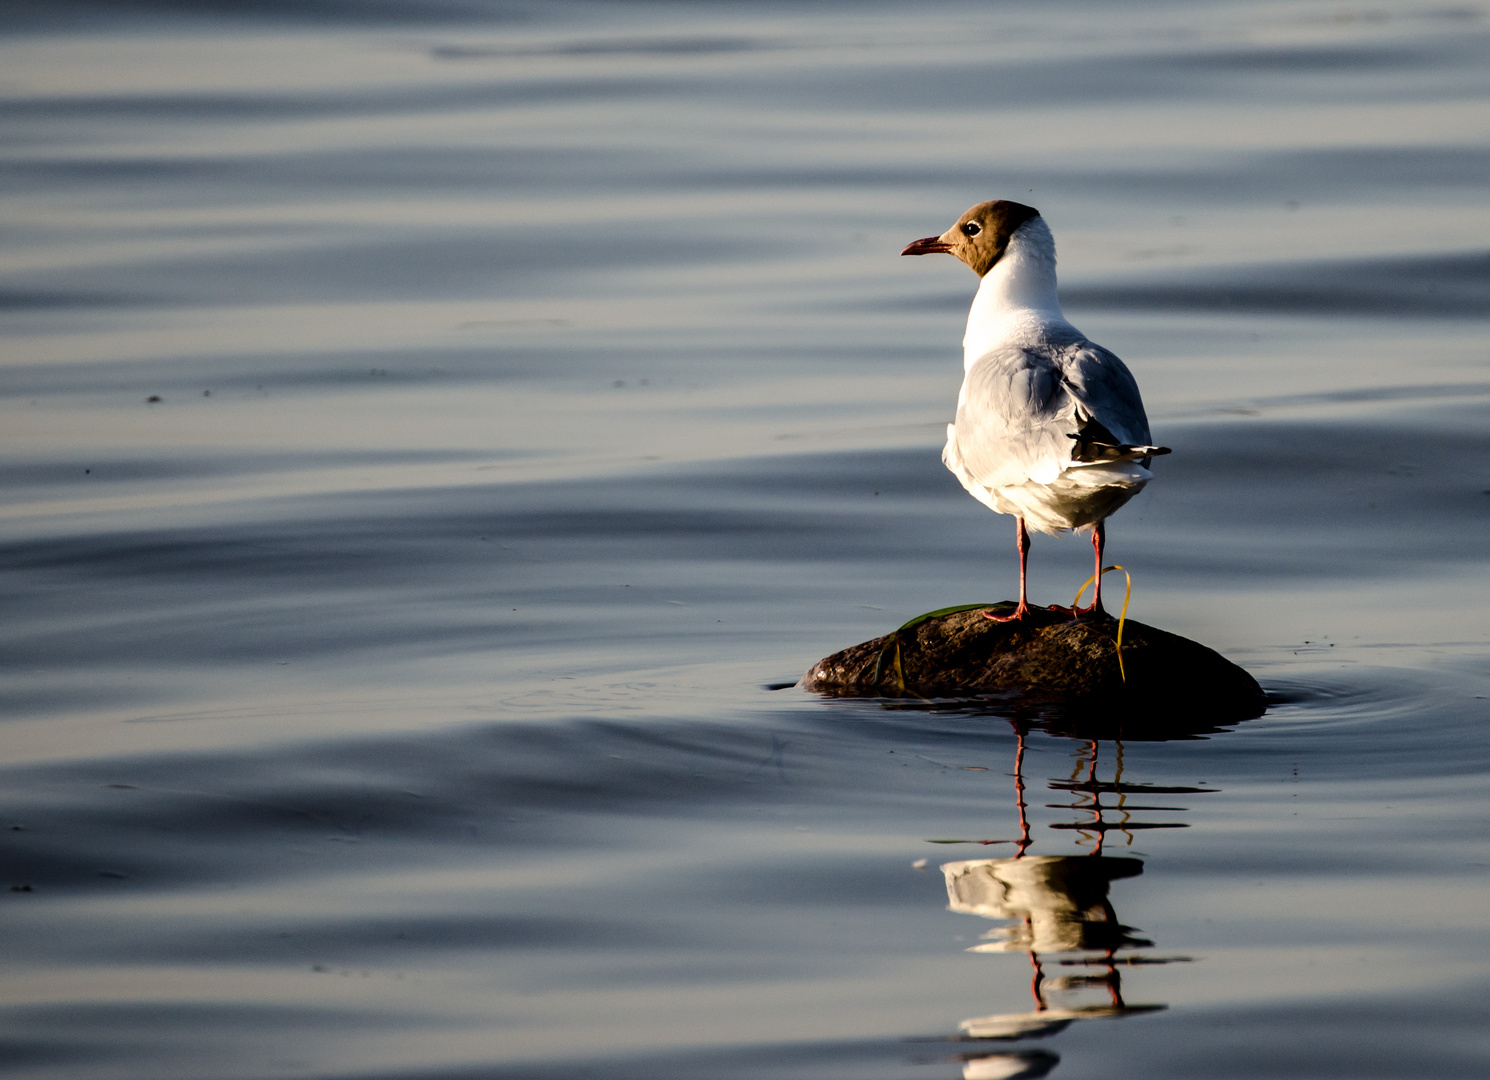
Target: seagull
point(1050, 426)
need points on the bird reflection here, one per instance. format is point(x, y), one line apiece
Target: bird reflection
point(1056, 910)
point(1029, 1065)
point(1054, 905)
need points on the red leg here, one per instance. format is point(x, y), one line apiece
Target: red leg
point(1022, 541)
point(1099, 541)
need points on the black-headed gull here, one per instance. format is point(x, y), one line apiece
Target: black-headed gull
point(1050, 426)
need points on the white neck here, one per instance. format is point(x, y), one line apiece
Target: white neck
point(1016, 302)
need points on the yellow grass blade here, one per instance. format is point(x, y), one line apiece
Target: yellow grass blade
point(1122, 618)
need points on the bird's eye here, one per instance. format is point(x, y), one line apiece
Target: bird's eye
point(972, 228)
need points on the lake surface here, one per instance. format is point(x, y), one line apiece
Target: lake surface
point(430, 430)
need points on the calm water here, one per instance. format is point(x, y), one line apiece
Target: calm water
point(428, 429)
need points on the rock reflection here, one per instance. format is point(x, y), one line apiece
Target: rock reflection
point(1056, 909)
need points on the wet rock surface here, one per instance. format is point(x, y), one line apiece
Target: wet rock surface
point(1045, 657)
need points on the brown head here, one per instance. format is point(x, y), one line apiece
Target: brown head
point(980, 237)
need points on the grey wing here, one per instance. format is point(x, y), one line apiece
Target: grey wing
point(1103, 389)
point(1015, 418)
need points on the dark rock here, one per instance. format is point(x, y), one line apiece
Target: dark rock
point(1045, 657)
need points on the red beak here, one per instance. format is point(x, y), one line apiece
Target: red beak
point(928, 246)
